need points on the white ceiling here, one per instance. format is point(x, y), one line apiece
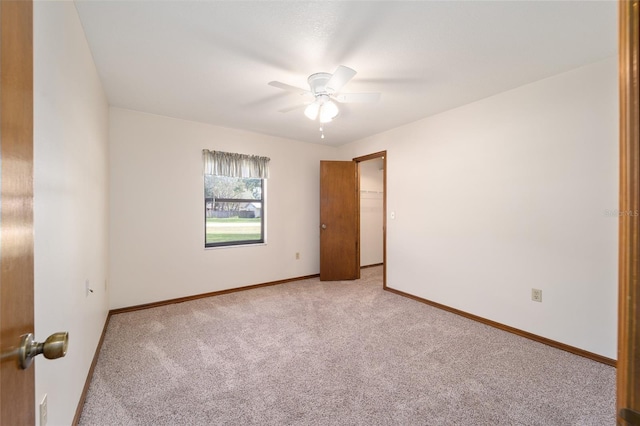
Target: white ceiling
point(210, 61)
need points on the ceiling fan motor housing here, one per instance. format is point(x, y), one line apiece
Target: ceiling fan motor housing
point(318, 83)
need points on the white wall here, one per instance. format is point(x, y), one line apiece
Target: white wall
point(371, 211)
point(507, 194)
point(157, 210)
point(70, 203)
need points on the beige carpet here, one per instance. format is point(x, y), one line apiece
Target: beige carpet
point(342, 353)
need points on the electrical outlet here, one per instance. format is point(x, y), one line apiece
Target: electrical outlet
point(297, 255)
point(536, 295)
point(43, 411)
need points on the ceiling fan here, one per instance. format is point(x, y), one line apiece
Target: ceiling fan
point(325, 88)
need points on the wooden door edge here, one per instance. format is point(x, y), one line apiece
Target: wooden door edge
point(628, 395)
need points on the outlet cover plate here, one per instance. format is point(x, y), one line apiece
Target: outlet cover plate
point(43, 411)
point(536, 295)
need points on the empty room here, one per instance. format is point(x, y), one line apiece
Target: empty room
point(314, 212)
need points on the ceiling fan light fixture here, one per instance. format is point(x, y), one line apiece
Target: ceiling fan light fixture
point(329, 111)
point(312, 110)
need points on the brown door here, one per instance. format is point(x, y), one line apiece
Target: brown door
point(339, 221)
point(628, 405)
point(17, 389)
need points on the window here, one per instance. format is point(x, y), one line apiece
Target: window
point(234, 208)
point(234, 198)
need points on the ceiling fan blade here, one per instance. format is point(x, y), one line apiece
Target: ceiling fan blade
point(349, 98)
point(288, 87)
point(293, 108)
point(340, 77)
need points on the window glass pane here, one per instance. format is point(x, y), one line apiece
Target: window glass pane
point(232, 222)
point(232, 188)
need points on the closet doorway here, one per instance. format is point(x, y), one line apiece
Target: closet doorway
point(372, 183)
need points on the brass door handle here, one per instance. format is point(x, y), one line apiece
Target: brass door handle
point(54, 347)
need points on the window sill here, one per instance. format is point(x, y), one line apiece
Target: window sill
point(235, 246)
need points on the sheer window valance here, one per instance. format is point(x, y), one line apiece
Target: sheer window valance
point(220, 163)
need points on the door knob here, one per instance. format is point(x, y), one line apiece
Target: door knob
point(324, 226)
point(54, 347)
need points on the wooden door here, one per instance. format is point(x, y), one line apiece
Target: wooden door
point(628, 372)
point(17, 386)
point(339, 221)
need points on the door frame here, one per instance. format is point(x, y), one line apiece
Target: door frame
point(628, 364)
point(358, 160)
